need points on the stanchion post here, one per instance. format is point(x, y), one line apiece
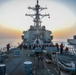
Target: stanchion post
point(58, 63)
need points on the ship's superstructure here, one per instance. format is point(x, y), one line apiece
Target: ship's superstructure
point(37, 34)
point(72, 41)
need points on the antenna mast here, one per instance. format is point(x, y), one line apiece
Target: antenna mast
point(37, 16)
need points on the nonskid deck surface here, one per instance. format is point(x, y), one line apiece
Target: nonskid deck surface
point(15, 64)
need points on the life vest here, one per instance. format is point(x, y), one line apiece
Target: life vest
point(61, 46)
point(57, 45)
point(8, 45)
point(67, 49)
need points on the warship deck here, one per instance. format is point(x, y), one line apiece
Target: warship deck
point(15, 64)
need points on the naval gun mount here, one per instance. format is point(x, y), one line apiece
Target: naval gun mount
point(37, 34)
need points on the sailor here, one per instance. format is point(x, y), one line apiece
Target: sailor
point(29, 46)
point(61, 48)
point(20, 47)
point(57, 46)
point(66, 49)
point(8, 46)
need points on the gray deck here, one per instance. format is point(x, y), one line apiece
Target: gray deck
point(15, 64)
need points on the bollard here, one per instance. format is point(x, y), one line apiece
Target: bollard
point(2, 69)
point(28, 68)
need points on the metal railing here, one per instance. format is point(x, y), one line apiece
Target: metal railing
point(4, 49)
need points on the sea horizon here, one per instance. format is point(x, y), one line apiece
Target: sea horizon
point(15, 41)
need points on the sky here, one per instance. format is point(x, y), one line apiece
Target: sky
point(62, 20)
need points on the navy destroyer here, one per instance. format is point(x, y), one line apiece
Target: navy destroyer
point(72, 41)
point(37, 34)
point(36, 55)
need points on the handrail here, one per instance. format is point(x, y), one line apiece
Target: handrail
point(4, 49)
point(72, 50)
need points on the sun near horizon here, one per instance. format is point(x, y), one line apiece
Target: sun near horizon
point(13, 21)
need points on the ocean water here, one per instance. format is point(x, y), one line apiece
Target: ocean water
point(13, 42)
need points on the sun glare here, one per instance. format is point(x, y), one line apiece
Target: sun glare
point(14, 15)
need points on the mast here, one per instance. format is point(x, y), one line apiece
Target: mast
point(37, 16)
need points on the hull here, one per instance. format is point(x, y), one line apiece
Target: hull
point(72, 41)
point(67, 66)
point(63, 62)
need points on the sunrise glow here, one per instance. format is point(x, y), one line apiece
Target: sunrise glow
point(12, 16)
